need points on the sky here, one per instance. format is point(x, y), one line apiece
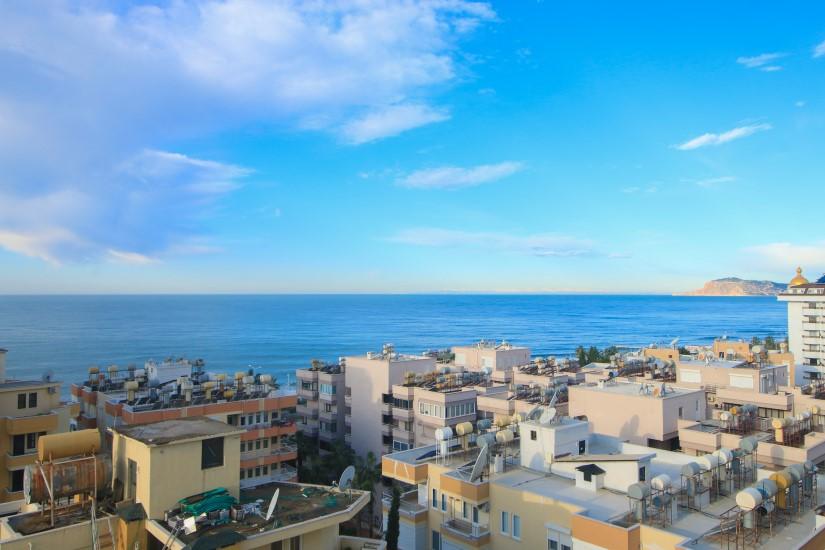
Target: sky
point(245, 146)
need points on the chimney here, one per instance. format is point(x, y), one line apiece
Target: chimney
point(3, 366)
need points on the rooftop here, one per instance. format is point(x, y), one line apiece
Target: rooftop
point(637, 389)
point(182, 429)
point(15, 384)
point(296, 503)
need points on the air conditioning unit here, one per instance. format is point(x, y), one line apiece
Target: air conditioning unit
point(52, 389)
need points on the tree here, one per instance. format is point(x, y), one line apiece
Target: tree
point(683, 350)
point(770, 343)
point(756, 340)
point(581, 355)
point(367, 475)
point(392, 520)
point(593, 355)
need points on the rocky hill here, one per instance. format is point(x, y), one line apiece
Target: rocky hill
point(733, 286)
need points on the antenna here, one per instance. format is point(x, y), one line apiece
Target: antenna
point(272, 502)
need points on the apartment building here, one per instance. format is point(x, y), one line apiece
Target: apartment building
point(639, 412)
point(438, 399)
point(498, 358)
point(806, 320)
point(174, 484)
point(369, 396)
point(30, 410)
point(254, 403)
point(321, 410)
point(551, 483)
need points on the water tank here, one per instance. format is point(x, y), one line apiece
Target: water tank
point(443, 434)
point(484, 424)
point(239, 375)
point(767, 487)
point(691, 469)
point(798, 469)
point(778, 423)
point(638, 491)
point(723, 455)
point(749, 444)
point(486, 440)
point(63, 445)
point(465, 428)
point(748, 498)
point(783, 481)
point(71, 477)
point(265, 379)
point(661, 482)
point(505, 436)
point(708, 462)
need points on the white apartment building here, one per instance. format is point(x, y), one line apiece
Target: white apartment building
point(806, 320)
point(369, 399)
point(498, 358)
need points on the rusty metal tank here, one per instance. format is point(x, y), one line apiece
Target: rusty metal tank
point(71, 477)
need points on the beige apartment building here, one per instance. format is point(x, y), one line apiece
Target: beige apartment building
point(806, 320)
point(254, 403)
point(498, 358)
point(369, 396)
point(644, 413)
point(30, 410)
point(162, 474)
point(552, 483)
point(321, 408)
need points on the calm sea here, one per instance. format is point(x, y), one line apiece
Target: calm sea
point(67, 334)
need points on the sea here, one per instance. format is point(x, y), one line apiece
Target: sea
point(64, 335)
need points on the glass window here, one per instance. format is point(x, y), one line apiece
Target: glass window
point(443, 502)
point(552, 545)
point(243, 474)
point(464, 507)
point(32, 400)
point(211, 453)
point(516, 526)
point(532, 435)
point(16, 483)
point(21, 400)
point(505, 523)
point(435, 498)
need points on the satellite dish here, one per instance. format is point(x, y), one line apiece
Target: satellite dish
point(534, 412)
point(547, 416)
point(190, 525)
point(346, 478)
point(272, 504)
point(478, 467)
point(674, 342)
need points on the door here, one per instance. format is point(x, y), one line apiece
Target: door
point(18, 445)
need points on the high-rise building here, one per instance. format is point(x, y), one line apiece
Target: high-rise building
point(806, 320)
point(321, 410)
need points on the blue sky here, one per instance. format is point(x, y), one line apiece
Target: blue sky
point(245, 146)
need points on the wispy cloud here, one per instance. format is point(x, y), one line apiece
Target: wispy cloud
point(126, 257)
point(763, 62)
point(636, 189)
point(454, 177)
point(787, 256)
point(390, 121)
point(715, 182)
point(541, 244)
point(95, 172)
point(718, 139)
point(819, 49)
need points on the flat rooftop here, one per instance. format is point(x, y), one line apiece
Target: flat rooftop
point(635, 389)
point(296, 503)
point(713, 363)
point(182, 429)
point(17, 384)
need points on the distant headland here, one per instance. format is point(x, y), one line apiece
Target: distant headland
point(734, 286)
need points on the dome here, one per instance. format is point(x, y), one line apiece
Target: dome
point(799, 279)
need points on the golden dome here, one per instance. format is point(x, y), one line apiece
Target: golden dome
point(799, 279)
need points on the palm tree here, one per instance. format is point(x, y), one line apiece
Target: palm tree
point(392, 520)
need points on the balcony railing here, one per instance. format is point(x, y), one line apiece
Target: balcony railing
point(408, 505)
point(471, 531)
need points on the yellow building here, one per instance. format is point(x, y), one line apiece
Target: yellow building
point(29, 409)
point(164, 475)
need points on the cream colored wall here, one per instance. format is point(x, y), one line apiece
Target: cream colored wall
point(45, 401)
point(73, 537)
point(322, 539)
point(167, 473)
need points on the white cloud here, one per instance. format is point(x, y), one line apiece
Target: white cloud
point(819, 49)
point(98, 94)
point(390, 121)
point(715, 182)
point(134, 258)
point(799, 104)
point(636, 189)
point(724, 137)
point(454, 177)
point(763, 62)
point(541, 244)
point(787, 256)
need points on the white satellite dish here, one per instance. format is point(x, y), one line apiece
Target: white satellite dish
point(190, 525)
point(674, 342)
point(345, 482)
point(547, 416)
point(534, 412)
point(272, 502)
point(480, 464)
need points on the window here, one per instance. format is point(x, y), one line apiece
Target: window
point(21, 400)
point(243, 446)
point(532, 435)
point(31, 441)
point(516, 526)
point(265, 469)
point(565, 547)
point(680, 413)
point(475, 514)
point(642, 473)
point(582, 447)
point(436, 540)
point(16, 483)
point(443, 502)
point(328, 389)
point(211, 453)
point(552, 545)
point(257, 444)
point(435, 498)
point(266, 443)
point(243, 421)
point(505, 523)
point(464, 510)
point(243, 474)
point(232, 419)
point(257, 471)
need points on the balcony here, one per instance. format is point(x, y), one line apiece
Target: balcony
point(469, 531)
point(308, 393)
point(31, 424)
point(328, 397)
point(409, 506)
point(14, 462)
point(402, 414)
point(400, 434)
point(328, 436)
point(304, 410)
point(386, 429)
point(310, 430)
point(328, 415)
